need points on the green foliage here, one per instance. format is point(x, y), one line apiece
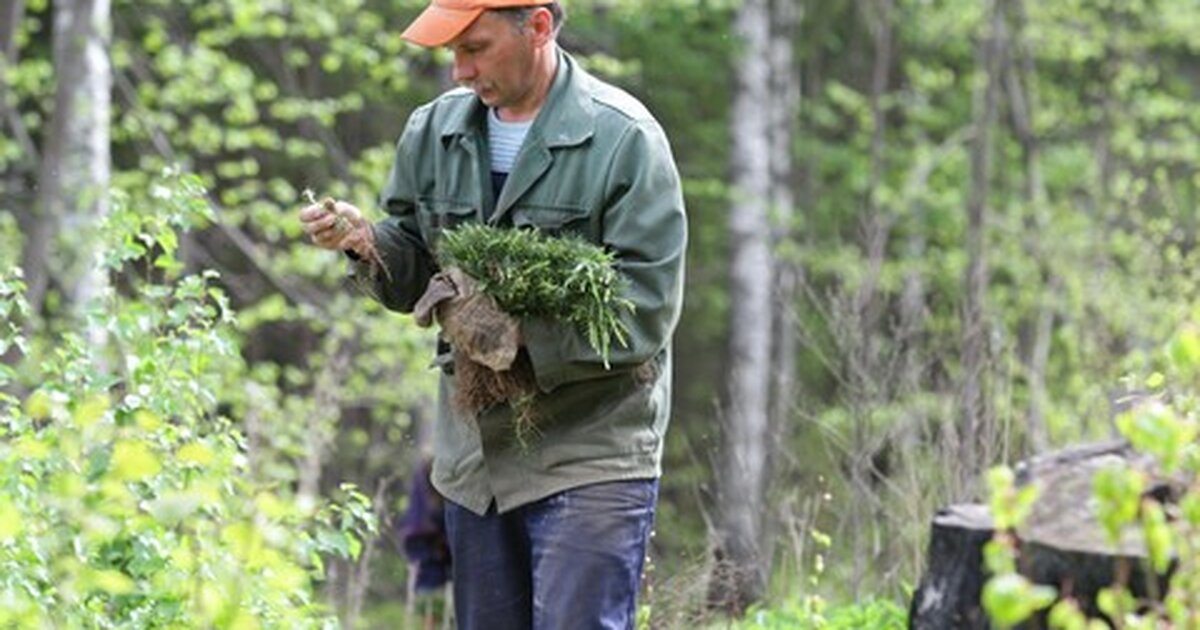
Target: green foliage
point(262, 99)
point(1162, 428)
point(123, 493)
point(1118, 493)
point(1009, 505)
point(257, 100)
point(531, 274)
point(1008, 597)
point(1161, 431)
point(872, 614)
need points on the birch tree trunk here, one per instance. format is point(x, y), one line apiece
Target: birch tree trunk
point(76, 163)
point(976, 424)
point(740, 577)
point(784, 103)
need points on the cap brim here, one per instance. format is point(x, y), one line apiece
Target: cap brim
point(437, 26)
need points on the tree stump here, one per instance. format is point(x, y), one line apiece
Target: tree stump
point(1062, 544)
point(948, 596)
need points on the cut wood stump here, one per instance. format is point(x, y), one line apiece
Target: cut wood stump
point(1062, 543)
point(948, 596)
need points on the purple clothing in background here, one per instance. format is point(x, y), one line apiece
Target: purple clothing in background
point(423, 533)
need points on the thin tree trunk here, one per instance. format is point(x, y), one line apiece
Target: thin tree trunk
point(324, 416)
point(785, 77)
point(359, 578)
point(913, 309)
point(1019, 77)
point(876, 224)
point(976, 423)
point(76, 163)
point(36, 227)
point(740, 578)
point(878, 233)
point(867, 374)
point(786, 90)
point(12, 12)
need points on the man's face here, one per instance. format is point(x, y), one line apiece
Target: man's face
point(494, 58)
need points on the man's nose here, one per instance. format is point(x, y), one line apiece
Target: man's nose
point(463, 69)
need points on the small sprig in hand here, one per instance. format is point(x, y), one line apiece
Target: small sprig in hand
point(346, 235)
point(343, 226)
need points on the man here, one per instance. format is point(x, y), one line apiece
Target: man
point(552, 533)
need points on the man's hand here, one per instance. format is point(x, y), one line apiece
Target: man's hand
point(338, 226)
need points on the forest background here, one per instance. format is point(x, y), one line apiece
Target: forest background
point(927, 236)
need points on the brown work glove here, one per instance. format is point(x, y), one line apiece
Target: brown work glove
point(470, 319)
point(488, 365)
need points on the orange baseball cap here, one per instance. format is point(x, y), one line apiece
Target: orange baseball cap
point(443, 20)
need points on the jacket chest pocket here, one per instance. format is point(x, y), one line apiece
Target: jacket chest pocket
point(435, 216)
point(555, 220)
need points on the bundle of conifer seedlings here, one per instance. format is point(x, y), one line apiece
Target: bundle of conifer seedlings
point(531, 274)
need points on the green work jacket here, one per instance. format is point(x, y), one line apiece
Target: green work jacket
point(594, 163)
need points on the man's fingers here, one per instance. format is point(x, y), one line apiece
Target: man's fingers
point(329, 230)
point(320, 224)
point(354, 239)
point(312, 213)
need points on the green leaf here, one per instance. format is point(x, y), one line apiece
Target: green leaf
point(108, 580)
point(195, 453)
point(1118, 493)
point(11, 523)
point(1184, 350)
point(91, 411)
point(1115, 601)
point(1159, 430)
point(1011, 598)
point(1010, 506)
point(30, 447)
point(37, 406)
point(1158, 536)
point(133, 460)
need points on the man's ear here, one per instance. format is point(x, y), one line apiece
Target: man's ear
point(541, 25)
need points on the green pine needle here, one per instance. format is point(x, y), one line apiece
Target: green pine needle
point(531, 274)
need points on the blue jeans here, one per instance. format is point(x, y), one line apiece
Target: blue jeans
point(570, 561)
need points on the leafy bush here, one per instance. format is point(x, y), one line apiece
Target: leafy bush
point(874, 614)
point(124, 498)
point(1165, 427)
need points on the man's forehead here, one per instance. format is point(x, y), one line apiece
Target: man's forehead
point(483, 28)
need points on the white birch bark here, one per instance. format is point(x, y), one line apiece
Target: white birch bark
point(784, 104)
point(76, 161)
point(740, 577)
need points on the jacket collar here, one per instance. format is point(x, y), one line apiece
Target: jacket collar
point(567, 118)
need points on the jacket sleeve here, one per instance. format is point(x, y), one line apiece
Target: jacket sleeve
point(398, 237)
point(645, 225)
